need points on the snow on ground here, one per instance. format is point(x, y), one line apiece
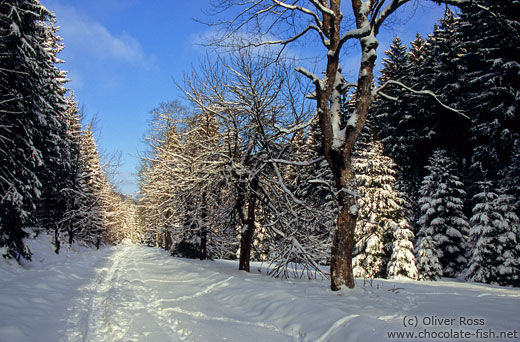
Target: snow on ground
point(137, 293)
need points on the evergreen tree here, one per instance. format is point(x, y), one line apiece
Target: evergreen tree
point(494, 238)
point(32, 129)
point(387, 111)
point(87, 217)
point(58, 145)
point(403, 124)
point(427, 257)
point(441, 73)
point(69, 189)
point(402, 260)
point(508, 177)
point(381, 216)
point(442, 217)
point(491, 81)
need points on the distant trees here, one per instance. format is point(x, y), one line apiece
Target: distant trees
point(180, 195)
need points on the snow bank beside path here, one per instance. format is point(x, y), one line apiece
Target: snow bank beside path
point(34, 297)
point(136, 293)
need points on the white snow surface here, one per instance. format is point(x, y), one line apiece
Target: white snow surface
point(137, 293)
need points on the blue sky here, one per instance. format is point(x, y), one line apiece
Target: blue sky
point(124, 56)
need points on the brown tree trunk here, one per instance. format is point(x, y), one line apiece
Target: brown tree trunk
point(57, 243)
point(246, 239)
point(203, 244)
point(343, 243)
point(167, 241)
point(339, 160)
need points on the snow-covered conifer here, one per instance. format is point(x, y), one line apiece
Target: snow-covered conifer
point(32, 120)
point(495, 256)
point(402, 261)
point(87, 216)
point(442, 201)
point(427, 258)
point(491, 82)
point(381, 225)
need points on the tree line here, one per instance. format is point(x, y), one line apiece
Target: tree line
point(50, 171)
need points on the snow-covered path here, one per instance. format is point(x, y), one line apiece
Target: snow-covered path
point(136, 296)
point(136, 293)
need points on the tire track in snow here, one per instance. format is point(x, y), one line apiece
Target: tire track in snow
point(335, 326)
point(202, 316)
point(99, 325)
point(151, 301)
point(206, 291)
point(121, 304)
point(110, 307)
point(79, 326)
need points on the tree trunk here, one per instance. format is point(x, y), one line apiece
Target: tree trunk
point(339, 159)
point(203, 244)
point(57, 243)
point(343, 243)
point(246, 239)
point(71, 234)
point(168, 241)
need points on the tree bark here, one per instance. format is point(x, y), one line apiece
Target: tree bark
point(340, 158)
point(168, 241)
point(246, 239)
point(203, 244)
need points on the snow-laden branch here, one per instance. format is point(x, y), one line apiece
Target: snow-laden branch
point(386, 96)
point(296, 163)
point(310, 75)
point(301, 9)
point(294, 128)
point(377, 91)
point(387, 11)
point(331, 189)
point(284, 188)
point(295, 37)
point(323, 9)
point(354, 34)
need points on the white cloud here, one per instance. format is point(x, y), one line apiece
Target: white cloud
point(86, 36)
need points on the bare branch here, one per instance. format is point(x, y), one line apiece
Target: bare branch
point(323, 9)
point(387, 11)
point(296, 163)
point(354, 34)
point(295, 37)
point(377, 91)
point(301, 9)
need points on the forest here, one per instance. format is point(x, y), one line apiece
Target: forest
point(408, 172)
